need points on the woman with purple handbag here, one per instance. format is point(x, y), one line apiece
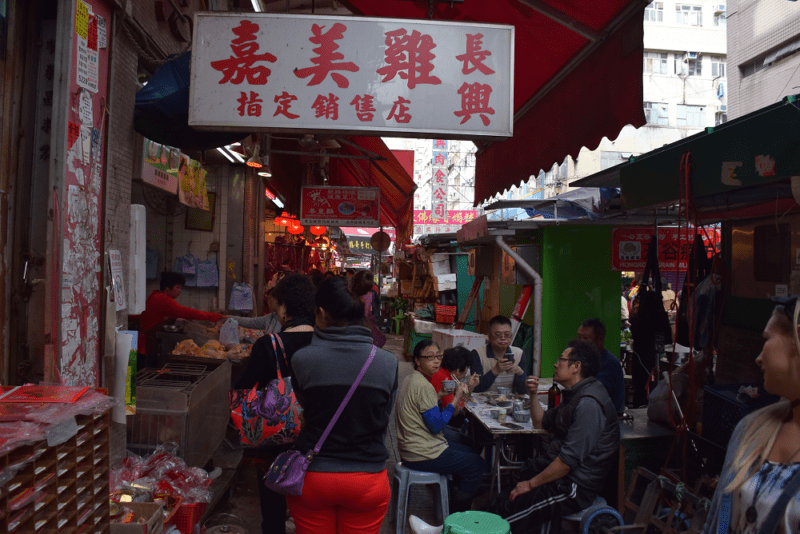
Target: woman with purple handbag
point(294, 296)
point(345, 484)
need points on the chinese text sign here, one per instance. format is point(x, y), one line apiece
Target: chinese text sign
point(340, 206)
point(260, 71)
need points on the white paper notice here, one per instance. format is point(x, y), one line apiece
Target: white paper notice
point(85, 108)
point(93, 75)
point(102, 33)
point(82, 65)
point(86, 143)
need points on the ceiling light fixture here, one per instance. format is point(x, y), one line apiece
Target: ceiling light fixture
point(225, 153)
point(235, 154)
point(265, 171)
point(256, 6)
point(255, 160)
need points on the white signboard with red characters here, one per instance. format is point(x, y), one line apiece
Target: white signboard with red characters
point(340, 206)
point(261, 71)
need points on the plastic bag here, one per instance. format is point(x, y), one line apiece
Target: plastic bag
point(229, 333)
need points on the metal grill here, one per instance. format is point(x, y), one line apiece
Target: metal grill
point(182, 377)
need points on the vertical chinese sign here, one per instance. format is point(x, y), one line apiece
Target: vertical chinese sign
point(80, 201)
point(260, 71)
point(439, 172)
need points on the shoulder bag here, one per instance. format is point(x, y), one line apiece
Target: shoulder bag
point(289, 469)
point(267, 417)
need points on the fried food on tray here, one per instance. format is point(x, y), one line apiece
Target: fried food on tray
point(239, 351)
point(186, 347)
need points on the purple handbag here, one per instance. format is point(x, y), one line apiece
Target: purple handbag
point(289, 469)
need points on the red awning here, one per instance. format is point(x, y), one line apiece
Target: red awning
point(397, 187)
point(575, 81)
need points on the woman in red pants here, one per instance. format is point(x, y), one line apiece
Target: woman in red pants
point(346, 489)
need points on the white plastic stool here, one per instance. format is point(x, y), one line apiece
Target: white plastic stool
point(404, 478)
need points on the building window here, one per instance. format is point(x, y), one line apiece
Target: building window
point(657, 113)
point(721, 20)
point(654, 12)
point(689, 66)
point(717, 67)
point(691, 116)
point(655, 63)
point(689, 15)
point(720, 118)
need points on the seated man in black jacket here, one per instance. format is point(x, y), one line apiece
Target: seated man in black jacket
point(568, 476)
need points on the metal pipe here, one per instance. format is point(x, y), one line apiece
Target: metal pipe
point(534, 277)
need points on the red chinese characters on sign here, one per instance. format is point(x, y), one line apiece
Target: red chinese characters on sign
point(399, 111)
point(475, 56)
point(240, 66)
point(410, 57)
point(326, 106)
point(251, 106)
point(440, 177)
point(440, 143)
point(630, 244)
point(333, 205)
point(439, 193)
point(440, 158)
point(284, 101)
point(73, 133)
point(327, 57)
point(475, 100)
point(365, 109)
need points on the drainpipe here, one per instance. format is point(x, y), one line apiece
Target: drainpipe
point(534, 277)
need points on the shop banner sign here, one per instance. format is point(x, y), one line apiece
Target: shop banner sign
point(278, 72)
point(340, 206)
point(629, 247)
point(454, 217)
point(160, 167)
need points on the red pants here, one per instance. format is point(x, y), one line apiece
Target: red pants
point(341, 503)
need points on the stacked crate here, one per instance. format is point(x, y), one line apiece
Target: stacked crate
point(58, 489)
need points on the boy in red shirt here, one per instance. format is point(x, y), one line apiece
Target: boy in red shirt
point(161, 305)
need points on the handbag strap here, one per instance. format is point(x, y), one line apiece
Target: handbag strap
point(346, 399)
point(770, 524)
point(275, 345)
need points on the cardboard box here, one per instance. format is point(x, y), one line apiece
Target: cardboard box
point(447, 339)
point(438, 268)
point(151, 511)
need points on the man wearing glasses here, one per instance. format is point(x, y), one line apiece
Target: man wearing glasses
point(571, 472)
point(498, 363)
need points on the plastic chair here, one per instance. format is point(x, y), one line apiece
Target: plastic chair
point(398, 322)
point(404, 478)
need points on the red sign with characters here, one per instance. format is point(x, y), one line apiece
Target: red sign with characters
point(629, 246)
point(340, 206)
point(453, 217)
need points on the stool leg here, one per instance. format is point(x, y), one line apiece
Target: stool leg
point(393, 500)
point(400, 528)
point(444, 493)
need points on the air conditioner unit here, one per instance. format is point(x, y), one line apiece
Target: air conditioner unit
point(723, 108)
point(692, 55)
point(719, 8)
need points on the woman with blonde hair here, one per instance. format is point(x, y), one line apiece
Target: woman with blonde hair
point(759, 488)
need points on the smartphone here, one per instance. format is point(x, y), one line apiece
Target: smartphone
point(509, 356)
point(512, 426)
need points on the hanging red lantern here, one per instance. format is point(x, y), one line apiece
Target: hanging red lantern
point(282, 221)
point(318, 230)
point(296, 228)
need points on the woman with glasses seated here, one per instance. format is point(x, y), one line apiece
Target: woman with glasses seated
point(421, 424)
point(498, 363)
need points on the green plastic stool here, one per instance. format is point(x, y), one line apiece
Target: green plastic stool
point(473, 522)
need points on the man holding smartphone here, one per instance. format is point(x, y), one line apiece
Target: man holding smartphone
point(498, 363)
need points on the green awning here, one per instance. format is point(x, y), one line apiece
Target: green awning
point(758, 148)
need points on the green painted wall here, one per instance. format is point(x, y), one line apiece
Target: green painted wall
point(463, 285)
point(578, 283)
